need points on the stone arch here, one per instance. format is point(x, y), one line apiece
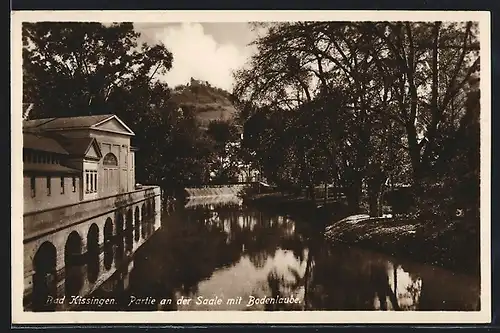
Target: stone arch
point(93, 253)
point(44, 277)
point(150, 220)
point(129, 230)
point(153, 213)
point(150, 217)
point(108, 243)
point(137, 226)
point(146, 220)
point(143, 220)
point(73, 281)
point(119, 237)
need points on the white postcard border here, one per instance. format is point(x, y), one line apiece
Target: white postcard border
point(19, 316)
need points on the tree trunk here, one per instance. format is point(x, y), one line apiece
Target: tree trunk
point(376, 186)
point(380, 199)
point(325, 199)
point(395, 277)
point(307, 277)
point(312, 192)
point(374, 208)
point(354, 194)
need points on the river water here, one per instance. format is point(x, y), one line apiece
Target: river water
point(215, 254)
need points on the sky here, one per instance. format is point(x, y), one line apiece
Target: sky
point(204, 51)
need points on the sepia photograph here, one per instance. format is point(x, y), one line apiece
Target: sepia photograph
point(251, 167)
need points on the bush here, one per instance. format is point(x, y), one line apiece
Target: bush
point(400, 199)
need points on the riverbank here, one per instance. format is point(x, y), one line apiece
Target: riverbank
point(320, 212)
point(453, 244)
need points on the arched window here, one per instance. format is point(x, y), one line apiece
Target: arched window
point(110, 160)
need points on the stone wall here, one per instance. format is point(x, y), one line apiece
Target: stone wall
point(56, 197)
point(139, 212)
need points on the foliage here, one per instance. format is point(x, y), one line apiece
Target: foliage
point(227, 164)
point(366, 106)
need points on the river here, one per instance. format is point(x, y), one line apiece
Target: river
point(215, 254)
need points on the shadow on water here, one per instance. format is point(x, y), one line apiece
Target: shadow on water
point(221, 251)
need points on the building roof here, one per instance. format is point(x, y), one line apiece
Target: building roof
point(43, 143)
point(77, 146)
point(65, 122)
point(96, 122)
point(48, 168)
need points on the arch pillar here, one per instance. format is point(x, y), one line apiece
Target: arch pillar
point(143, 220)
point(108, 235)
point(157, 221)
point(119, 243)
point(137, 224)
point(74, 265)
point(93, 254)
point(129, 229)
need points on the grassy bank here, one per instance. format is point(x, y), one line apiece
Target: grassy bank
point(450, 244)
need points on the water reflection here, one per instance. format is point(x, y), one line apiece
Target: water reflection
point(222, 255)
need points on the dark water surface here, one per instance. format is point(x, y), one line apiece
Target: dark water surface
point(222, 253)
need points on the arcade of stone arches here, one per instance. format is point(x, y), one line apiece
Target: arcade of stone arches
point(120, 235)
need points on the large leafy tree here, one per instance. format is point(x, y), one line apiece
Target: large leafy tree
point(403, 109)
point(74, 68)
point(227, 162)
point(427, 66)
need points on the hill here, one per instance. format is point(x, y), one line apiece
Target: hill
point(209, 103)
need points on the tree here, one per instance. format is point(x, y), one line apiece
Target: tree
point(294, 70)
point(225, 136)
point(431, 64)
point(222, 132)
point(405, 92)
point(73, 68)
